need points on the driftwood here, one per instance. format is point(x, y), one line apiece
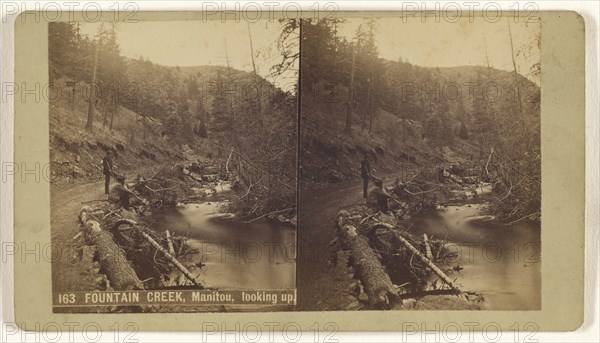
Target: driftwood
point(170, 242)
point(427, 247)
point(158, 247)
point(419, 254)
point(268, 214)
point(378, 286)
point(227, 163)
point(112, 259)
point(253, 165)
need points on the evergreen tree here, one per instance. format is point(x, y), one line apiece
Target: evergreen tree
point(462, 132)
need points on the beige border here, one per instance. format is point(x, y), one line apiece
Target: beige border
point(563, 203)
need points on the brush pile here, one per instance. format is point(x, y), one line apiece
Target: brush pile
point(150, 260)
point(390, 263)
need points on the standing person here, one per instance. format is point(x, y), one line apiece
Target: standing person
point(365, 173)
point(107, 169)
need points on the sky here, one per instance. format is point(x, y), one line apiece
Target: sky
point(445, 44)
point(194, 43)
point(429, 44)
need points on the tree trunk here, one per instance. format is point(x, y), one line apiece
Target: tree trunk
point(230, 106)
point(512, 54)
point(368, 268)
point(349, 105)
point(419, 254)
point(92, 100)
point(144, 125)
point(371, 116)
point(111, 257)
point(105, 119)
point(112, 117)
point(170, 243)
point(256, 83)
point(427, 247)
point(364, 120)
point(158, 247)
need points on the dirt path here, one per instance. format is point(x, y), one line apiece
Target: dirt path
point(69, 272)
point(321, 284)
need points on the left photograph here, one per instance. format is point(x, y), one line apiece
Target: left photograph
point(173, 165)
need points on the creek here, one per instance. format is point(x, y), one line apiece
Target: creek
point(500, 261)
point(233, 254)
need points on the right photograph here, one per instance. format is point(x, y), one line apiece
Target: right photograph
point(419, 164)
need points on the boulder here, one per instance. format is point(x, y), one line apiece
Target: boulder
point(195, 176)
point(210, 177)
point(335, 176)
point(196, 167)
point(77, 172)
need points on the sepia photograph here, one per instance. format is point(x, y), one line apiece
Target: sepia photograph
point(299, 170)
point(173, 149)
point(419, 164)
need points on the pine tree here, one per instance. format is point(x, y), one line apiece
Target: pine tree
point(220, 123)
point(462, 132)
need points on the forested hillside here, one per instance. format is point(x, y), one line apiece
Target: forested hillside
point(416, 119)
point(151, 114)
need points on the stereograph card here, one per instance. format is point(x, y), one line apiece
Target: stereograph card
point(178, 169)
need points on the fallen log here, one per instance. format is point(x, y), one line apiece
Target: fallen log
point(420, 255)
point(95, 200)
point(377, 284)
point(158, 247)
point(170, 242)
point(270, 213)
point(111, 257)
point(427, 247)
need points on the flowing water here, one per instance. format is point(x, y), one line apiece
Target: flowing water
point(234, 254)
point(500, 261)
